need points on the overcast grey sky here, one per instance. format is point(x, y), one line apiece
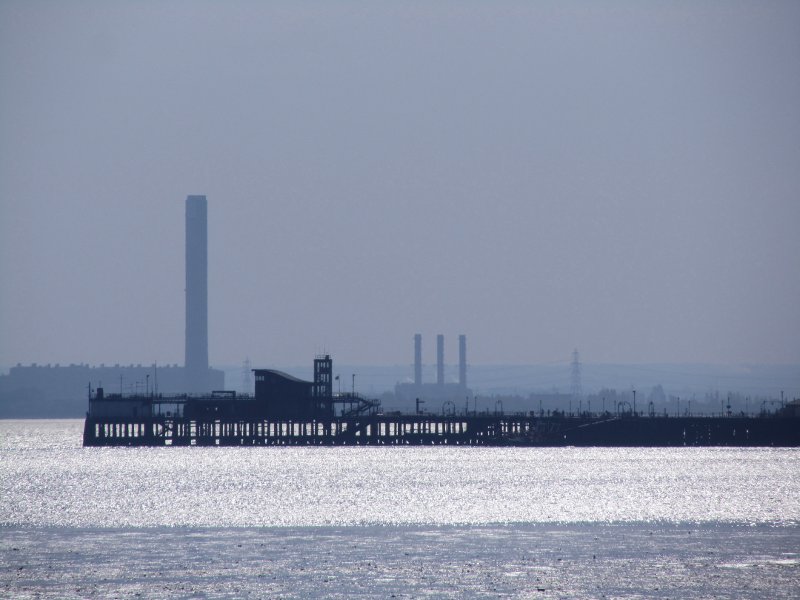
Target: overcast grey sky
point(621, 177)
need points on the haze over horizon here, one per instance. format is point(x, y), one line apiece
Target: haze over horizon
point(621, 178)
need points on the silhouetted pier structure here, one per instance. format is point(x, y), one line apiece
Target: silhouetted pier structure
point(481, 430)
point(470, 430)
point(288, 411)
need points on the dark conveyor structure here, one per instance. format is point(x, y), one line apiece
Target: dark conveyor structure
point(286, 410)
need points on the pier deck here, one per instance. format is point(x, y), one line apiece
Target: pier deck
point(480, 430)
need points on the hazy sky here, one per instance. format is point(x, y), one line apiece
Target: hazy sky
point(620, 177)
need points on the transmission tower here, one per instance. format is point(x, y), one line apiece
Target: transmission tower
point(577, 390)
point(246, 383)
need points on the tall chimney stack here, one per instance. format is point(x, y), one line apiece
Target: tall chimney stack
point(440, 359)
point(462, 360)
point(417, 359)
point(196, 357)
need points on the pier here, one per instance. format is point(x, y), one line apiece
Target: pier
point(287, 411)
point(466, 430)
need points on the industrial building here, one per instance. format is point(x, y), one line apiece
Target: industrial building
point(441, 390)
point(60, 391)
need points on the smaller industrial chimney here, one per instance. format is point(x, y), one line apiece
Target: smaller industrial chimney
point(462, 360)
point(417, 359)
point(440, 359)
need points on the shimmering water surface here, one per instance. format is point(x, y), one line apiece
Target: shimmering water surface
point(344, 522)
point(47, 478)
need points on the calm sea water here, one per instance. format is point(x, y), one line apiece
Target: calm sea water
point(344, 522)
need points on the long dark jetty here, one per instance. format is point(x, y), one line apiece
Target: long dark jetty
point(286, 411)
point(467, 430)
